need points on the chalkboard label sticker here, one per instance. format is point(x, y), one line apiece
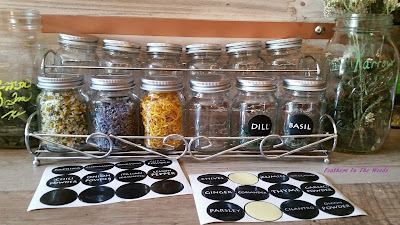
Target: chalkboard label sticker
point(218, 193)
point(335, 206)
point(162, 173)
point(225, 211)
point(96, 194)
point(99, 167)
point(300, 209)
point(271, 177)
point(67, 169)
point(133, 191)
point(63, 181)
point(59, 197)
point(131, 175)
point(167, 187)
point(158, 162)
point(299, 125)
point(259, 125)
point(213, 179)
point(303, 176)
point(285, 191)
point(252, 192)
point(129, 164)
point(97, 179)
point(317, 189)
point(263, 211)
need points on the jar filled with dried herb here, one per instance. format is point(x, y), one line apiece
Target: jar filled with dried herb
point(300, 110)
point(62, 110)
point(113, 109)
point(162, 109)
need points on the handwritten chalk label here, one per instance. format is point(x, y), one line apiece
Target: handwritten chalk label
point(252, 192)
point(259, 125)
point(225, 211)
point(63, 181)
point(271, 177)
point(213, 179)
point(131, 175)
point(299, 125)
point(162, 173)
point(299, 209)
point(11, 95)
point(317, 189)
point(285, 191)
point(218, 193)
point(335, 206)
point(96, 179)
point(67, 169)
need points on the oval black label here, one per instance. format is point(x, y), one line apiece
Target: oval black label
point(129, 164)
point(302, 176)
point(335, 206)
point(259, 125)
point(96, 179)
point(299, 125)
point(99, 167)
point(96, 194)
point(67, 169)
point(131, 175)
point(300, 209)
point(317, 189)
point(158, 162)
point(252, 192)
point(162, 173)
point(59, 197)
point(63, 181)
point(218, 193)
point(213, 179)
point(285, 191)
point(132, 190)
point(273, 177)
point(225, 211)
point(167, 187)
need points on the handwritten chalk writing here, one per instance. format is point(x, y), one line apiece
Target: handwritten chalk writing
point(15, 85)
point(13, 114)
point(371, 64)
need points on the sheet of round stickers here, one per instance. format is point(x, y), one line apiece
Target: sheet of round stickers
point(104, 183)
point(268, 196)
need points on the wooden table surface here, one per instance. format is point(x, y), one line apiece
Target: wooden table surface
point(376, 193)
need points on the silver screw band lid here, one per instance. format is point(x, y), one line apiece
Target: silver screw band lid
point(199, 48)
point(164, 47)
point(161, 83)
point(78, 39)
point(112, 83)
point(210, 83)
point(118, 45)
point(256, 84)
point(294, 43)
point(60, 81)
point(304, 84)
point(243, 46)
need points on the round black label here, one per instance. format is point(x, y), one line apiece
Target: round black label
point(162, 173)
point(285, 191)
point(259, 125)
point(299, 125)
point(99, 167)
point(67, 169)
point(129, 164)
point(213, 179)
point(302, 176)
point(132, 190)
point(59, 197)
point(131, 175)
point(158, 162)
point(63, 181)
point(218, 193)
point(96, 179)
point(225, 211)
point(317, 189)
point(273, 177)
point(252, 192)
point(167, 187)
point(300, 209)
point(96, 194)
point(335, 206)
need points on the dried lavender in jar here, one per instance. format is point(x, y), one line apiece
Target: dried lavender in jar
point(113, 109)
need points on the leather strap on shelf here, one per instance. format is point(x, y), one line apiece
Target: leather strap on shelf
point(182, 27)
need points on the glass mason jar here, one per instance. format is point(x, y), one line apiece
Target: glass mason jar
point(362, 66)
point(300, 111)
point(20, 55)
point(62, 110)
point(163, 55)
point(208, 111)
point(254, 109)
point(162, 107)
point(113, 109)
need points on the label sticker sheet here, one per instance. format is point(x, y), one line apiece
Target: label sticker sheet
point(268, 196)
point(103, 183)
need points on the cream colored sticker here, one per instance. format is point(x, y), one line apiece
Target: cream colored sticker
point(263, 211)
point(243, 178)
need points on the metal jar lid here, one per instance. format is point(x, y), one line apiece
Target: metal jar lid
point(124, 46)
point(294, 43)
point(111, 83)
point(161, 83)
point(199, 48)
point(60, 81)
point(259, 84)
point(78, 39)
point(164, 47)
point(210, 83)
point(243, 46)
point(304, 84)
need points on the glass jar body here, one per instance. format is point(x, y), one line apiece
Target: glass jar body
point(208, 114)
point(163, 60)
point(204, 60)
point(115, 58)
point(162, 115)
point(362, 66)
point(116, 113)
point(62, 111)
